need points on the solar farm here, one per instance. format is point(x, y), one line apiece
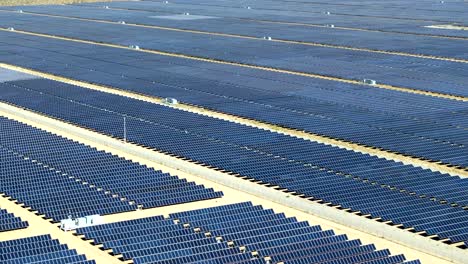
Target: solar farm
point(217, 131)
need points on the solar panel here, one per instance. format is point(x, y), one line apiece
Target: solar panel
point(316, 170)
point(235, 233)
point(9, 221)
point(86, 181)
point(399, 131)
point(41, 249)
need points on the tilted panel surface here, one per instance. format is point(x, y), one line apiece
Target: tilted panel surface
point(9, 221)
point(301, 11)
point(78, 180)
point(234, 233)
point(39, 249)
point(302, 173)
point(420, 133)
point(410, 72)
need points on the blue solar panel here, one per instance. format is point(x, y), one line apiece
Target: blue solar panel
point(9, 221)
point(86, 181)
point(432, 133)
point(373, 169)
point(38, 249)
point(396, 70)
point(272, 53)
point(419, 126)
point(236, 20)
point(230, 234)
point(316, 170)
point(396, 13)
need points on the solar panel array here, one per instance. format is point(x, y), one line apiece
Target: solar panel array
point(39, 249)
point(367, 14)
point(64, 96)
point(410, 196)
point(9, 221)
point(234, 233)
point(243, 48)
point(353, 71)
point(59, 177)
point(234, 17)
point(378, 123)
point(405, 71)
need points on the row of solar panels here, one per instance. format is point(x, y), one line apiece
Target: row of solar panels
point(297, 11)
point(240, 21)
point(408, 136)
point(387, 69)
point(9, 221)
point(235, 233)
point(258, 16)
point(420, 212)
point(248, 85)
point(58, 177)
point(63, 97)
point(39, 249)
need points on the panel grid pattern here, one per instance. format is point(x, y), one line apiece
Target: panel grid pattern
point(39, 249)
point(436, 132)
point(59, 177)
point(9, 221)
point(235, 233)
point(404, 199)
